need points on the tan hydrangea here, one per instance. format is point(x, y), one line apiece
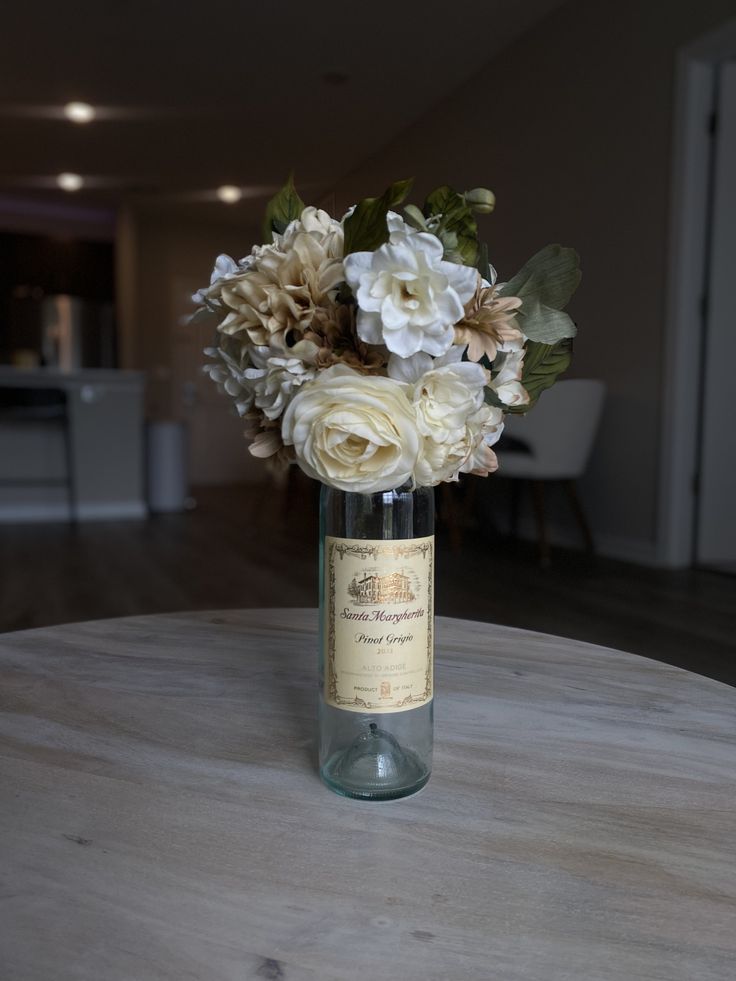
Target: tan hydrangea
point(266, 442)
point(276, 295)
point(489, 324)
point(333, 330)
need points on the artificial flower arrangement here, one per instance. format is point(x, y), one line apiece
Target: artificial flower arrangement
point(377, 349)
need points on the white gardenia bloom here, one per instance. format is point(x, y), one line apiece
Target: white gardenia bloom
point(354, 432)
point(507, 383)
point(409, 297)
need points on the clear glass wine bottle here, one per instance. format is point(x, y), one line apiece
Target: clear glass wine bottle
point(376, 641)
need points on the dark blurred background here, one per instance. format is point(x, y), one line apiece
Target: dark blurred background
point(125, 483)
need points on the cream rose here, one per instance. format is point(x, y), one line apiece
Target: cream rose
point(466, 450)
point(456, 426)
point(354, 432)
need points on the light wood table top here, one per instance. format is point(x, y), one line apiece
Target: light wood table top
point(161, 816)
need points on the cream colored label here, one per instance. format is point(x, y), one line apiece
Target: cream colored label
point(379, 629)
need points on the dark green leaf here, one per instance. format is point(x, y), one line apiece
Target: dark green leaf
point(284, 206)
point(365, 229)
point(443, 201)
point(492, 399)
point(484, 265)
point(458, 220)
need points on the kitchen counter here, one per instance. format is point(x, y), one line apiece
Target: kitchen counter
point(105, 410)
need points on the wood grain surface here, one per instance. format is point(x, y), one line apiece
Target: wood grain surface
point(161, 817)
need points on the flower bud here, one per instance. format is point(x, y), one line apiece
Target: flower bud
point(480, 200)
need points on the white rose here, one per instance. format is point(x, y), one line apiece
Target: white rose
point(320, 226)
point(468, 451)
point(354, 432)
point(446, 390)
point(408, 297)
point(484, 430)
point(457, 426)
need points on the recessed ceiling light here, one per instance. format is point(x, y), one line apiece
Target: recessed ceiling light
point(69, 182)
point(79, 112)
point(229, 194)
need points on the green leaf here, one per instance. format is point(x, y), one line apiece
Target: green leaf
point(484, 265)
point(552, 276)
point(415, 218)
point(365, 229)
point(458, 220)
point(284, 206)
point(491, 398)
point(544, 323)
point(543, 364)
point(545, 284)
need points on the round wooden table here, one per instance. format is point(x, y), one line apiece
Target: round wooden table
point(162, 817)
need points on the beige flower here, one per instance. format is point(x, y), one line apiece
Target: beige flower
point(354, 432)
point(333, 330)
point(489, 324)
point(274, 295)
point(266, 442)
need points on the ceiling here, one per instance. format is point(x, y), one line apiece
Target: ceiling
point(195, 94)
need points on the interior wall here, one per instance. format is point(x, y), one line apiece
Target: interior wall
point(163, 257)
point(571, 127)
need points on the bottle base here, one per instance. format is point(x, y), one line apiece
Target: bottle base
point(375, 767)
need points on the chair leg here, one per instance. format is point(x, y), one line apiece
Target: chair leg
point(539, 514)
point(516, 489)
point(71, 482)
point(449, 514)
point(579, 513)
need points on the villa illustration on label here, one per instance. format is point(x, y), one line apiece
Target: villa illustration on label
point(375, 590)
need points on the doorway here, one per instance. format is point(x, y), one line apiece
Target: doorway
point(696, 515)
point(715, 489)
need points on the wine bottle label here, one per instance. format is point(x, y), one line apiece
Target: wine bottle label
point(379, 623)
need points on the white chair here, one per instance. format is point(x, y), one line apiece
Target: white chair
point(553, 442)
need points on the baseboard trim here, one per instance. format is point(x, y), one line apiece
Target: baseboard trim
point(635, 550)
point(112, 511)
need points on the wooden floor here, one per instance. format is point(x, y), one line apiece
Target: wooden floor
point(242, 547)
